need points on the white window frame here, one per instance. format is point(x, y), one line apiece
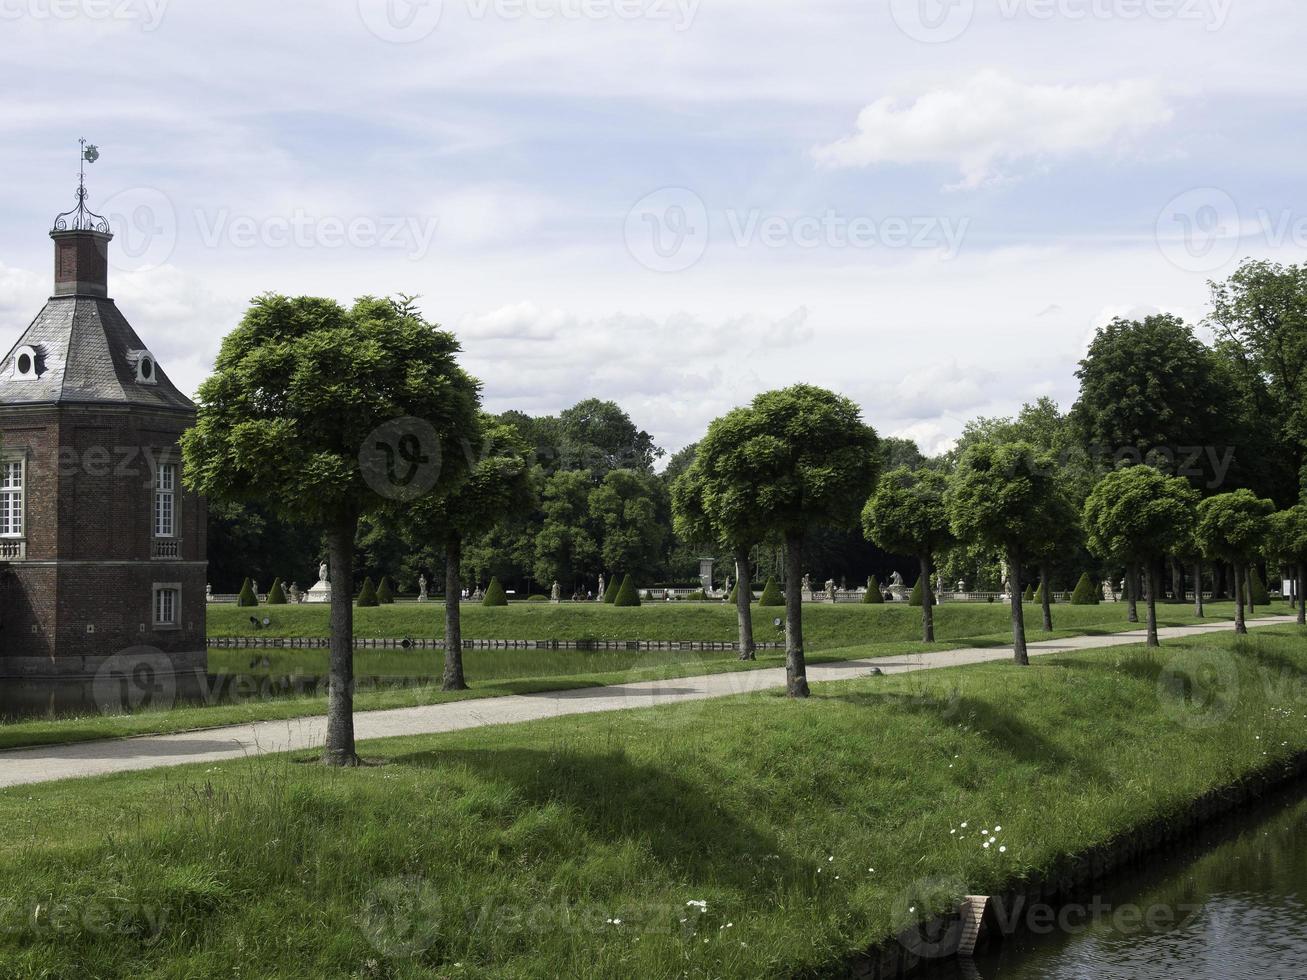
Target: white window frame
point(166, 498)
point(156, 598)
point(13, 498)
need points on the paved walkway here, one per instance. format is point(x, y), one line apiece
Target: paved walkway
point(48, 763)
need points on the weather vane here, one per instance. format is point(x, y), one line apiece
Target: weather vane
point(82, 218)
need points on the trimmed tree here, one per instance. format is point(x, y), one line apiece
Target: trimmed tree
point(611, 589)
point(1232, 528)
point(1288, 542)
point(277, 594)
point(325, 414)
point(771, 594)
point(368, 595)
point(906, 516)
point(708, 509)
point(803, 459)
point(1258, 593)
point(495, 596)
point(1085, 594)
point(385, 594)
point(1002, 497)
point(247, 596)
point(873, 595)
point(1029, 594)
point(496, 486)
point(1137, 515)
point(628, 595)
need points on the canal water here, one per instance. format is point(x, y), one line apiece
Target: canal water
point(1230, 905)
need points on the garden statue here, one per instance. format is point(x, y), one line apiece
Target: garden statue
point(807, 586)
point(830, 589)
point(296, 597)
point(600, 594)
point(322, 573)
point(556, 592)
point(422, 588)
point(896, 580)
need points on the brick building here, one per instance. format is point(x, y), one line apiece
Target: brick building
point(102, 551)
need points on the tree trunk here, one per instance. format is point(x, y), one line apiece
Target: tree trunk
point(1132, 592)
point(1240, 623)
point(453, 679)
point(744, 604)
point(1047, 589)
point(1199, 611)
point(927, 602)
point(1019, 651)
point(1151, 584)
point(339, 750)
point(796, 667)
point(1177, 579)
point(1302, 601)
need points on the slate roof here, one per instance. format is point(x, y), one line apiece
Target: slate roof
point(86, 348)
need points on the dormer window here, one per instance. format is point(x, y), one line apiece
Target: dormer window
point(27, 363)
point(147, 371)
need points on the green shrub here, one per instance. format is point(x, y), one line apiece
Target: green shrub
point(277, 594)
point(1030, 594)
point(771, 594)
point(247, 596)
point(368, 594)
point(697, 596)
point(385, 594)
point(918, 596)
point(627, 595)
point(495, 594)
point(610, 592)
point(874, 596)
point(538, 598)
point(1039, 595)
point(1085, 593)
point(1260, 595)
point(735, 594)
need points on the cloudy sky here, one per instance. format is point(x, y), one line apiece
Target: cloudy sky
point(926, 204)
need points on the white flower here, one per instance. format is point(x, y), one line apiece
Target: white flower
point(986, 844)
point(998, 830)
point(697, 903)
point(1003, 849)
point(964, 825)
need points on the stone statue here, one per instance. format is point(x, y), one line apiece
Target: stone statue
point(728, 585)
point(422, 588)
point(322, 573)
point(896, 580)
point(962, 586)
point(807, 586)
point(208, 592)
point(556, 592)
point(830, 589)
point(295, 596)
point(600, 594)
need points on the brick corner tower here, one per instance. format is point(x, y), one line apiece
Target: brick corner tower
point(102, 550)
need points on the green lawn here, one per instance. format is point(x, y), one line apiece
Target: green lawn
point(825, 626)
point(747, 837)
point(399, 679)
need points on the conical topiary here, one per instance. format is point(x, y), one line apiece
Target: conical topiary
point(735, 594)
point(1039, 595)
point(1260, 595)
point(771, 594)
point(627, 595)
point(277, 594)
point(610, 592)
point(247, 596)
point(495, 594)
point(385, 594)
point(1030, 594)
point(874, 597)
point(918, 597)
point(368, 594)
point(1084, 595)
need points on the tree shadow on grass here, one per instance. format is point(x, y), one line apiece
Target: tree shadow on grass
point(998, 727)
point(620, 800)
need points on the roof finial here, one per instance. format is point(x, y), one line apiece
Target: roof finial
point(82, 218)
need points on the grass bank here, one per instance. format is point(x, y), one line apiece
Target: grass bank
point(747, 837)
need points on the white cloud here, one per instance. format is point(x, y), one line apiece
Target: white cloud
point(992, 122)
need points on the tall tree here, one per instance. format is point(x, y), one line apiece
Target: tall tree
point(497, 486)
point(565, 547)
point(599, 436)
point(1232, 527)
point(627, 510)
point(325, 414)
point(1138, 515)
point(1001, 497)
point(802, 459)
point(1288, 542)
point(906, 516)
